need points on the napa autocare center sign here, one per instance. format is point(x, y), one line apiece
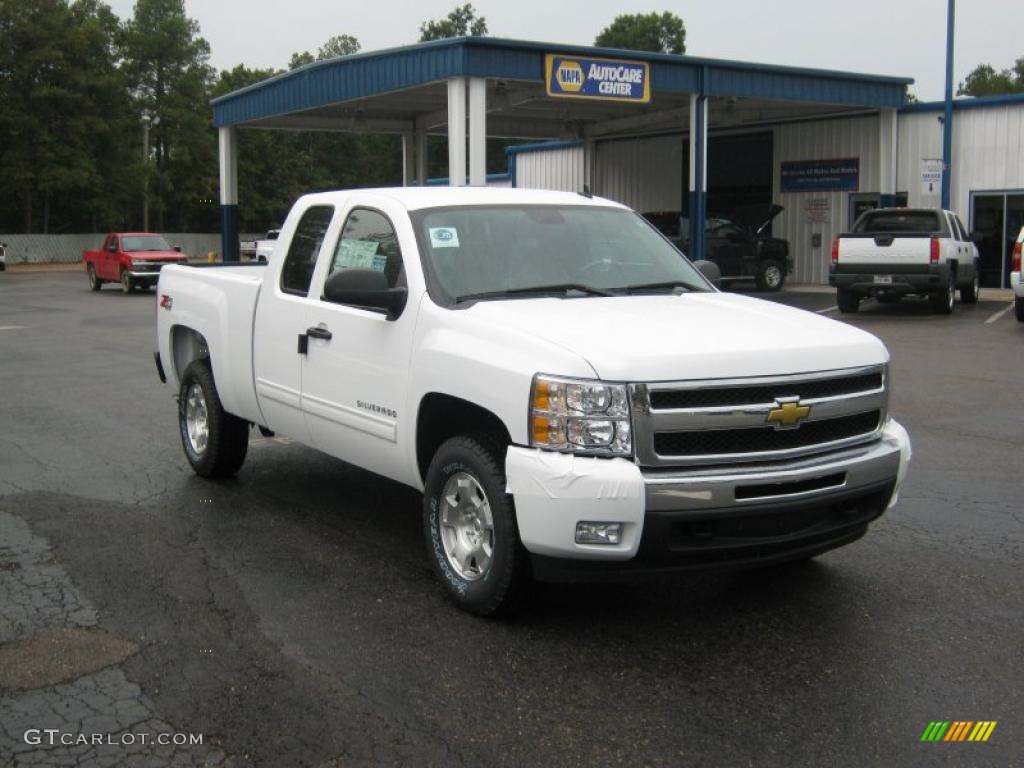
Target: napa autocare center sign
point(575, 77)
point(841, 175)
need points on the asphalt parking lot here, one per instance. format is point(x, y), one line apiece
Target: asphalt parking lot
point(289, 616)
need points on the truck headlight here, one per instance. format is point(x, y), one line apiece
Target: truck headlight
point(580, 416)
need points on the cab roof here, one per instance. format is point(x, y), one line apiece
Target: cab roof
point(415, 198)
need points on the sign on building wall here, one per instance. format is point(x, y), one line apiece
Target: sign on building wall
point(574, 77)
point(841, 175)
point(931, 176)
point(817, 210)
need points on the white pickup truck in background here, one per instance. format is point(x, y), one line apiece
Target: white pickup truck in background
point(569, 393)
point(259, 250)
point(894, 252)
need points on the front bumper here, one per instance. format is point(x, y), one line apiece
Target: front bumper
point(700, 518)
point(905, 278)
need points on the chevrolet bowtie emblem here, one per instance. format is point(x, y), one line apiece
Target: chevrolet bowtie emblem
point(788, 415)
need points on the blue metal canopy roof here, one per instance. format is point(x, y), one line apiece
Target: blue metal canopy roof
point(365, 75)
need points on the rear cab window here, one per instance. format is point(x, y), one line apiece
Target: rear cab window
point(901, 221)
point(299, 263)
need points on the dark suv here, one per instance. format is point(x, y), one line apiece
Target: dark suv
point(738, 244)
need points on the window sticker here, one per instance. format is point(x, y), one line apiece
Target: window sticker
point(444, 237)
point(357, 254)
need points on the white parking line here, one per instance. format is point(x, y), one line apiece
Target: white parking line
point(826, 310)
point(999, 314)
point(11, 327)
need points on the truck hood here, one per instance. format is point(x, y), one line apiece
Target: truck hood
point(689, 336)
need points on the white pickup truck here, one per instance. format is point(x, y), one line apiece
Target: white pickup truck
point(893, 252)
point(260, 250)
point(571, 395)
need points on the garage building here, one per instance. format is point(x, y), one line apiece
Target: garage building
point(822, 144)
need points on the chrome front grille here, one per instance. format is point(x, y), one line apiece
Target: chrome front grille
point(739, 420)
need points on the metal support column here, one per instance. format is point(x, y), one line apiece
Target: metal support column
point(698, 173)
point(457, 132)
point(228, 193)
point(590, 164)
point(408, 159)
point(421, 152)
point(887, 148)
point(947, 119)
point(477, 131)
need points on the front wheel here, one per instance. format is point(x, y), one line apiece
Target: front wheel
point(215, 442)
point(770, 276)
point(470, 527)
point(94, 282)
point(127, 286)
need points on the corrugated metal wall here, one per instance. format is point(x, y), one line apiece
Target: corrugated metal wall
point(559, 169)
point(823, 140)
point(645, 174)
point(988, 153)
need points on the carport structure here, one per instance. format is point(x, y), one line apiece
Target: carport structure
point(474, 88)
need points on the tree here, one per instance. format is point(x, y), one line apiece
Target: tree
point(461, 22)
point(663, 33)
point(63, 112)
point(984, 80)
point(339, 45)
point(167, 64)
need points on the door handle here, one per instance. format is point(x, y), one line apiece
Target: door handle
point(318, 332)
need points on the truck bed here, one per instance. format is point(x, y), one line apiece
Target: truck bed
point(218, 302)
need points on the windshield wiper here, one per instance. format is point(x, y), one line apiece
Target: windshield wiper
point(669, 284)
point(561, 288)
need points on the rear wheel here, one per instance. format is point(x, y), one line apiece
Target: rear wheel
point(215, 442)
point(1018, 309)
point(770, 276)
point(847, 300)
point(942, 302)
point(94, 282)
point(470, 527)
point(969, 295)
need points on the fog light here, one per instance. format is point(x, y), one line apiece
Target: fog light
point(598, 533)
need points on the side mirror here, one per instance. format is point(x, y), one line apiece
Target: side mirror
point(977, 237)
point(365, 288)
point(710, 271)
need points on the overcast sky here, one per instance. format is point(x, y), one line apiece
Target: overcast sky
point(890, 37)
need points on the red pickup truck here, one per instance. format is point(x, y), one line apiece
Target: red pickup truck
point(133, 259)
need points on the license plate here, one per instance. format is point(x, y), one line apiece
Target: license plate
point(883, 279)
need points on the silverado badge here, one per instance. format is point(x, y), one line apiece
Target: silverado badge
point(788, 414)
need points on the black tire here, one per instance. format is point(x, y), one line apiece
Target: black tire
point(1018, 309)
point(127, 284)
point(943, 301)
point(227, 436)
point(969, 294)
point(94, 282)
point(502, 586)
point(847, 300)
point(771, 276)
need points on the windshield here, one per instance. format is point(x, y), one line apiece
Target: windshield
point(515, 250)
point(144, 243)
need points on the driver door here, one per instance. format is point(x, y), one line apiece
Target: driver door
point(355, 373)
